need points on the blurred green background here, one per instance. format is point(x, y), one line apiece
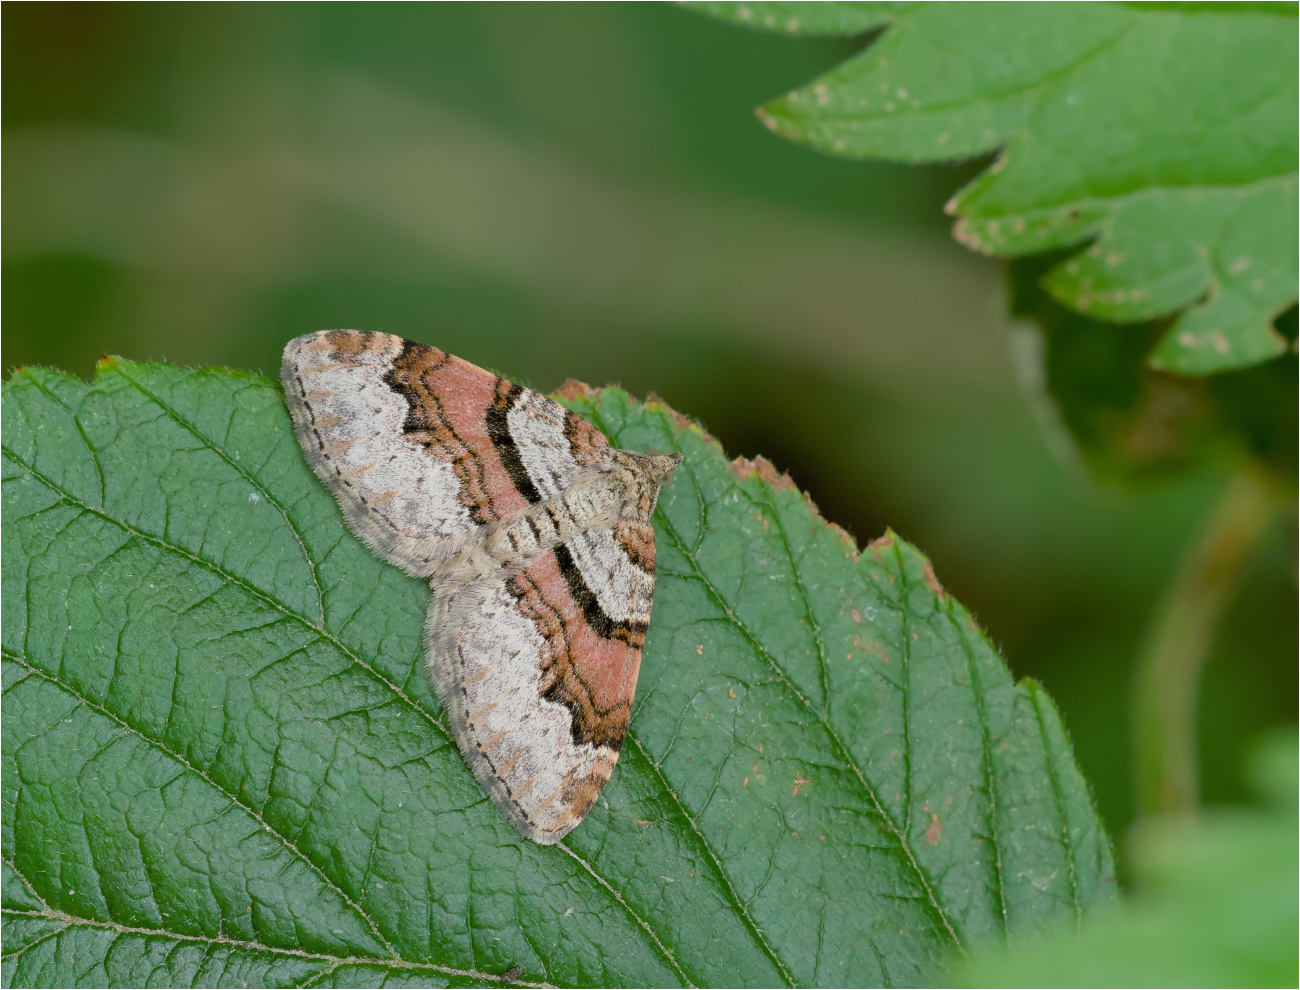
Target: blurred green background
point(582, 190)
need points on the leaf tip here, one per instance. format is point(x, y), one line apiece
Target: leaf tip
point(779, 481)
point(767, 119)
point(681, 420)
point(744, 469)
point(574, 389)
point(882, 543)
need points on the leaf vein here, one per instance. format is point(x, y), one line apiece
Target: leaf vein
point(234, 465)
point(1066, 840)
point(228, 795)
point(210, 941)
point(645, 925)
point(723, 877)
point(990, 777)
point(840, 749)
point(217, 570)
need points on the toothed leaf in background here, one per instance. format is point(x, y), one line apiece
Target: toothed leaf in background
point(1159, 139)
point(1131, 423)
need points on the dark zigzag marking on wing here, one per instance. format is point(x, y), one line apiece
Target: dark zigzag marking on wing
point(625, 629)
point(498, 429)
point(581, 731)
point(423, 408)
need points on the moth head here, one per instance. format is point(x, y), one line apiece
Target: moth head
point(660, 467)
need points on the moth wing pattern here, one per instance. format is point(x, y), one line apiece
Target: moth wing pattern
point(534, 642)
point(402, 498)
point(538, 701)
point(416, 444)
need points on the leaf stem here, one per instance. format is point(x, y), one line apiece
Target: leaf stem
point(1182, 630)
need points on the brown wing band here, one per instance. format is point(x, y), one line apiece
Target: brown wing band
point(562, 682)
point(427, 424)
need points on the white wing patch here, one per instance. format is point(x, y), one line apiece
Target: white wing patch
point(543, 447)
point(350, 425)
point(490, 673)
point(622, 589)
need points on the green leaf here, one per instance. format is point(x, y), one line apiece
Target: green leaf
point(1129, 421)
point(223, 761)
point(833, 17)
point(1165, 136)
point(1215, 906)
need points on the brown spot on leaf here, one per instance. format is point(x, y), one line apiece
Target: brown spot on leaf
point(574, 389)
point(933, 830)
point(681, 419)
point(765, 469)
point(928, 570)
point(857, 616)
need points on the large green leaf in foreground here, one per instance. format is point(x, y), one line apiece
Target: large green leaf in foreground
point(223, 763)
point(1165, 134)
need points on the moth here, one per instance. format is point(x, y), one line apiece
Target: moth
point(534, 535)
